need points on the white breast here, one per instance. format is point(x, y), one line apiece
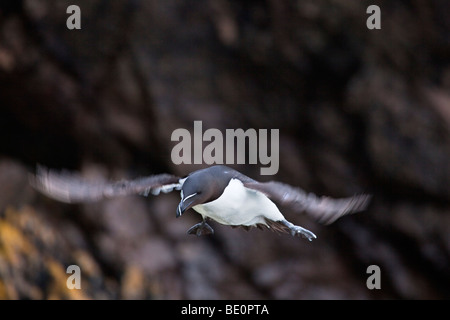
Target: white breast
point(240, 206)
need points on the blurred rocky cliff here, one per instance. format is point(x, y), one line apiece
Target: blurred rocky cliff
point(358, 111)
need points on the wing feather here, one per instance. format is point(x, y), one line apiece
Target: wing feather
point(326, 210)
point(71, 188)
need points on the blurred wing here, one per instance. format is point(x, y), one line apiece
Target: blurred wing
point(323, 209)
point(71, 188)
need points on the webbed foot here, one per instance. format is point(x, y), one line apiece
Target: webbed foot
point(201, 229)
point(297, 230)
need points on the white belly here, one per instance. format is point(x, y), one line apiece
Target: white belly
point(240, 206)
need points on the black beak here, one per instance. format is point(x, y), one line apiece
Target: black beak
point(184, 205)
point(180, 209)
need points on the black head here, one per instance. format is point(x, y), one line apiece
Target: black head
point(203, 186)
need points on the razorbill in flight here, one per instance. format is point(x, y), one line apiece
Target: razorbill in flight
point(217, 192)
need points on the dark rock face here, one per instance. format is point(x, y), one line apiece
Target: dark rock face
point(358, 111)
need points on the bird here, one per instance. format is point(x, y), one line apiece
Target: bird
point(217, 193)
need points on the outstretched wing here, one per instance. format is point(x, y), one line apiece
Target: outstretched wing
point(71, 188)
point(323, 209)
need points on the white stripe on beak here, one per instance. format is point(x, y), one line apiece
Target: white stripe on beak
point(189, 196)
